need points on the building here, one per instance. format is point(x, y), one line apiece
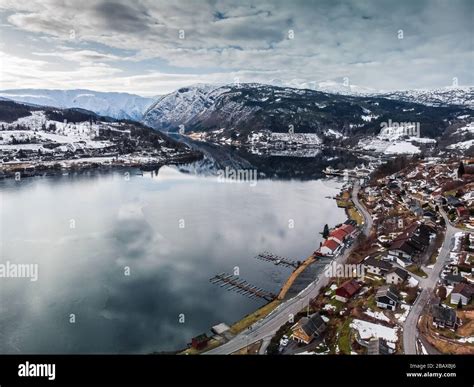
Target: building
point(401, 252)
point(377, 266)
point(308, 328)
point(338, 235)
point(349, 229)
point(444, 317)
point(462, 212)
point(347, 290)
point(200, 342)
point(378, 346)
point(387, 298)
point(462, 291)
point(329, 247)
point(453, 201)
point(414, 240)
point(396, 276)
point(453, 279)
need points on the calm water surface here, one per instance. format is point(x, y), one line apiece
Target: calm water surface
point(136, 223)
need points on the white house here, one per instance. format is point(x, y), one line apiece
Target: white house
point(462, 291)
point(396, 276)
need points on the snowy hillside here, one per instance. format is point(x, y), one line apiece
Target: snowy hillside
point(115, 105)
point(463, 96)
point(178, 108)
point(44, 136)
point(241, 113)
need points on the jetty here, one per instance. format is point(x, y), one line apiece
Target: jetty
point(277, 260)
point(234, 283)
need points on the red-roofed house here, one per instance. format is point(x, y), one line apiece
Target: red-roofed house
point(349, 229)
point(338, 235)
point(347, 290)
point(462, 212)
point(329, 247)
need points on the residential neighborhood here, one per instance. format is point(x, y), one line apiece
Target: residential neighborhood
point(410, 283)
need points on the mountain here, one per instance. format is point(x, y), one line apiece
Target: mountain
point(44, 136)
point(177, 108)
point(331, 87)
point(115, 105)
point(446, 96)
point(245, 108)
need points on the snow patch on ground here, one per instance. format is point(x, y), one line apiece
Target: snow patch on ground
point(377, 315)
point(462, 145)
point(401, 317)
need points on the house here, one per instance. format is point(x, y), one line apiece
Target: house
point(351, 222)
point(453, 201)
point(329, 247)
point(308, 328)
point(416, 209)
point(444, 317)
point(199, 342)
point(378, 346)
point(376, 266)
point(462, 212)
point(347, 290)
point(453, 279)
point(414, 240)
point(349, 229)
point(402, 252)
point(396, 276)
point(338, 235)
point(462, 291)
point(387, 298)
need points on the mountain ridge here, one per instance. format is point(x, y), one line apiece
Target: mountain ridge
point(113, 104)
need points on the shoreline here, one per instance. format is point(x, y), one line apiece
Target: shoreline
point(23, 169)
point(246, 321)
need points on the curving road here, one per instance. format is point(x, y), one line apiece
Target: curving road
point(367, 217)
point(265, 328)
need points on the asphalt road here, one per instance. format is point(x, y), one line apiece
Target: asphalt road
point(266, 327)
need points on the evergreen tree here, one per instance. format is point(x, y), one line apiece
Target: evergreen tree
point(461, 170)
point(326, 231)
point(460, 303)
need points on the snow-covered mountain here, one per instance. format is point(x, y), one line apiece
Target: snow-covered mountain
point(330, 87)
point(177, 108)
point(256, 113)
point(445, 96)
point(115, 105)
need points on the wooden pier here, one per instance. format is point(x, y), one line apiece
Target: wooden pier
point(277, 260)
point(241, 286)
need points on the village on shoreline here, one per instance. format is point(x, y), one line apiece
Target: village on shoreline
point(405, 286)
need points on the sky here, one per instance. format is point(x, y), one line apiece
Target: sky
point(155, 47)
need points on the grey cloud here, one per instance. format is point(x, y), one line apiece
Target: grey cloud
point(332, 39)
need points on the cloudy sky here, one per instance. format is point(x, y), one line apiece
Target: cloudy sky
point(154, 47)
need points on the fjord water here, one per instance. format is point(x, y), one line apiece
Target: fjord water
point(171, 233)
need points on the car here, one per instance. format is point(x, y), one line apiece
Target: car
point(284, 341)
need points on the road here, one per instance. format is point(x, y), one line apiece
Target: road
point(266, 327)
point(410, 331)
point(367, 217)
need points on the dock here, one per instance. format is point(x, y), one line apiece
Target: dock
point(234, 283)
point(277, 260)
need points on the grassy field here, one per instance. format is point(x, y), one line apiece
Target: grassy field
point(251, 318)
point(345, 337)
point(192, 351)
point(355, 215)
